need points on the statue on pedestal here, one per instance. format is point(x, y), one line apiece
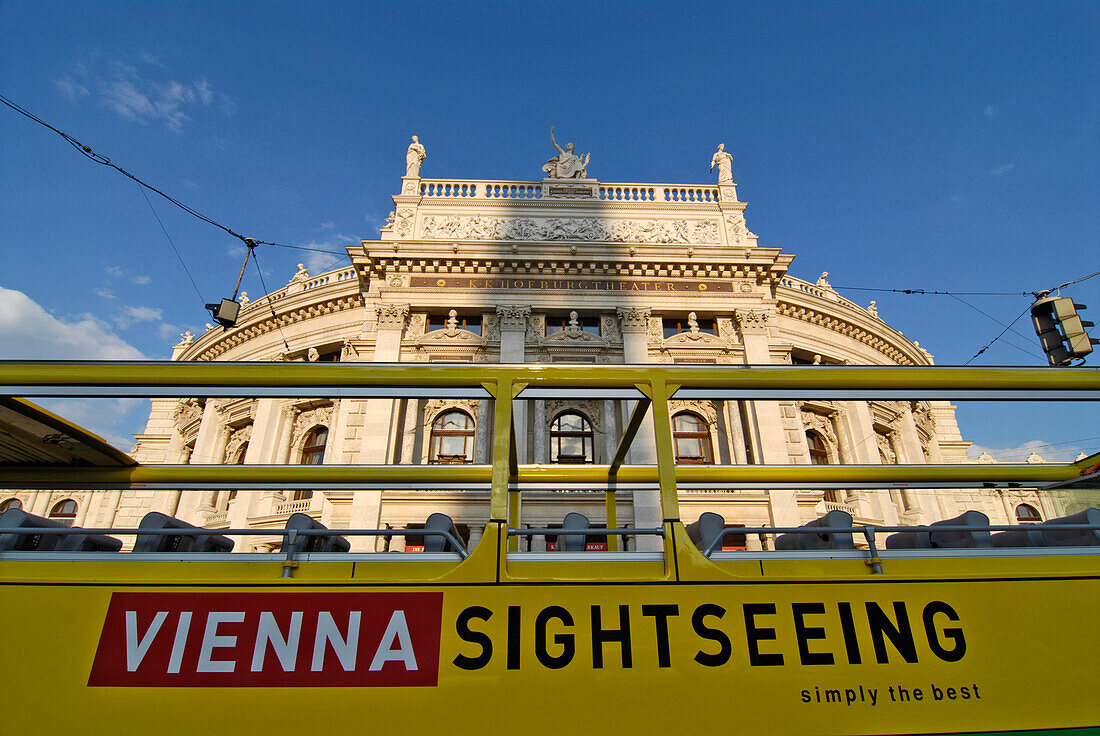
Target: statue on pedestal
point(566, 165)
point(414, 157)
point(724, 162)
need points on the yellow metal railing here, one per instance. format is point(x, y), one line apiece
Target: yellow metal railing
point(651, 386)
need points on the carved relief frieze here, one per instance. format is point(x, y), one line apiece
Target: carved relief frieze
point(308, 419)
point(434, 407)
point(536, 327)
point(591, 409)
point(187, 414)
point(237, 439)
point(655, 334)
point(886, 449)
point(737, 230)
point(403, 224)
point(708, 410)
point(609, 328)
point(485, 227)
point(490, 328)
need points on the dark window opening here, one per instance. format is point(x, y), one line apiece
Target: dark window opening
point(571, 439)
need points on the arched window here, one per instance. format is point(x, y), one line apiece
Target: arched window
point(11, 503)
point(64, 511)
point(691, 438)
point(571, 439)
point(313, 453)
point(1026, 514)
point(818, 454)
point(452, 438)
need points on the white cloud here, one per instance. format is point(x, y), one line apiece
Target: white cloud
point(29, 332)
point(1002, 169)
point(115, 420)
point(104, 292)
point(133, 96)
point(115, 271)
point(1051, 452)
point(129, 316)
point(142, 280)
point(202, 89)
point(71, 88)
point(990, 111)
point(328, 225)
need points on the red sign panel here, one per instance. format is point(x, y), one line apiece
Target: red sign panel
point(269, 640)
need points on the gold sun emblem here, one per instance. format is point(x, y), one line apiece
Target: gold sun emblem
point(441, 283)
point(702, 287)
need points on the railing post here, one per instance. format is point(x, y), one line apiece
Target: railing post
point(658, 392)
point(873, 560)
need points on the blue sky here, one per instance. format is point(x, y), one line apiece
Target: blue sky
point(941, 146)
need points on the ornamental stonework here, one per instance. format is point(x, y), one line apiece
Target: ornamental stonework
point(391, 315)
point(486, 227)
point(633, 319)
point(751, 321)
point(513, 317)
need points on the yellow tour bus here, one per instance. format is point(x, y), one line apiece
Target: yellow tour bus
point(959, 627)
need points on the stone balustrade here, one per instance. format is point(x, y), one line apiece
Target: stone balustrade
point(806, 287)
point(293, 507)
point(330, 277)
point(485, 189)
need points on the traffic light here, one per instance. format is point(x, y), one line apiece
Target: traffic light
point(1061, 331)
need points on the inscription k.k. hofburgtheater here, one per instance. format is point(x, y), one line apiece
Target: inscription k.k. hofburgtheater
point(503, 282)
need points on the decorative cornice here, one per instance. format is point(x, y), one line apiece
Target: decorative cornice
point(844, 327)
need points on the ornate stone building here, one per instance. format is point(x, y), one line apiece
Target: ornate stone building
point(555, 271)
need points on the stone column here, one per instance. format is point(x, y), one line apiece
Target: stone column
point(209, 449)
point(366, 506)
point(481, 431)
point(540, 443)
point(634, 323)
point(753, 327)
point(408, 430)
point(513, 341)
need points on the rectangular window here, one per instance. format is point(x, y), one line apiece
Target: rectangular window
point(676, 325)
point(470, 322)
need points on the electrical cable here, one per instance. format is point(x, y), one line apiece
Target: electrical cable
point(170, 242)
point(1070, 283)
point(105, 161)
point(995, 453)
point(990, 316)
point(939, 293)
point(998, 337)
point(263, 283)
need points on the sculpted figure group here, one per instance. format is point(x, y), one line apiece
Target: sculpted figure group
point(566, 165)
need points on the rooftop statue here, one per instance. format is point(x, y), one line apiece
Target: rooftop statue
point(724, 161)
point(566, 165)
point(414, 157)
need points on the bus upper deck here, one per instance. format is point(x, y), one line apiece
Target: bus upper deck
point(827, 627)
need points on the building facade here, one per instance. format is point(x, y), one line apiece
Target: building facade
point(562, 270)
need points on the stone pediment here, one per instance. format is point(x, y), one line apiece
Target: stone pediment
point(573, 337)
point(695, 339)
point(450, 337)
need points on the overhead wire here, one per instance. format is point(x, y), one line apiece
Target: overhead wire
point(170, 242)
point(263, 283)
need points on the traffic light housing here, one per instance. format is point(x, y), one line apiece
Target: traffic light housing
point(1062, 333)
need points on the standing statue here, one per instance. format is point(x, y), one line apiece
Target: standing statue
point(724, 162)
point(566, 165)
point(414, 157)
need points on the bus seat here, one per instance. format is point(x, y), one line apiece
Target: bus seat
point(820, 540)
point(436, 543)
point(704, 531)
point(37, 539)
point(933, 539)
point(1073, 537)
point(573, 542)
point(313, 543)
point(181, 542)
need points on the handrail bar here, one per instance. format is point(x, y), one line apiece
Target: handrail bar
point(872, 530)
point(277, 531)
point(656, 532)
